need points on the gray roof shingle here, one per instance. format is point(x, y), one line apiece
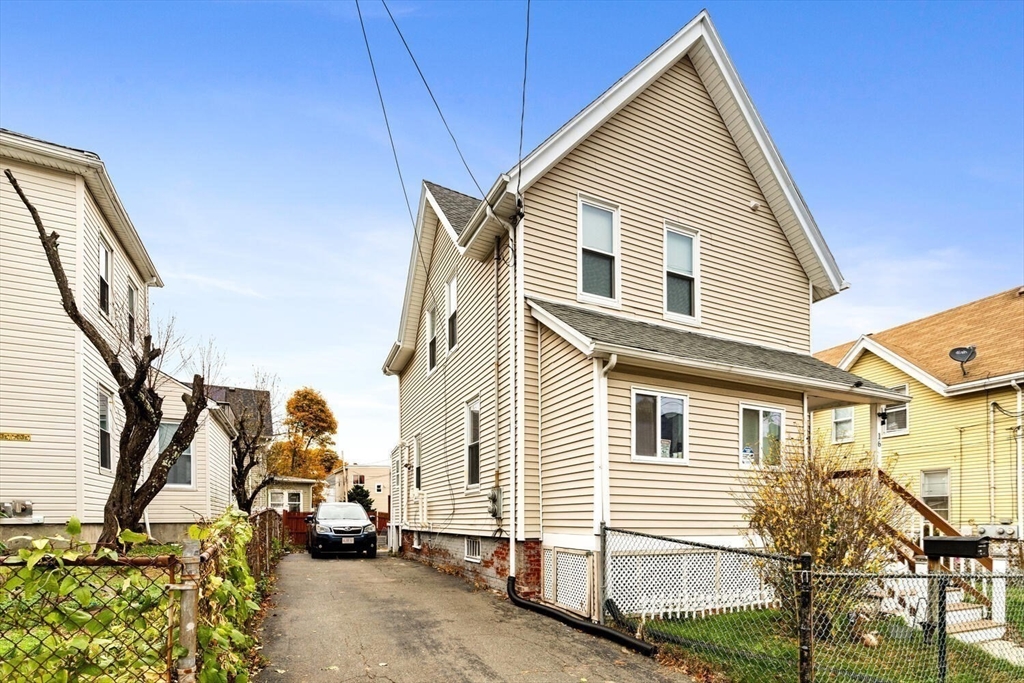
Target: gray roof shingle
point(458, 208)
point(636, 334)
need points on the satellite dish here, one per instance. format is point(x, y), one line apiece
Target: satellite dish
point(963, 354)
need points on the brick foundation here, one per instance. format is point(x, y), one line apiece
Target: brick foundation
point(447, 553)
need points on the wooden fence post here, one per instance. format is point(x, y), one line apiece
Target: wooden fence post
point(189, 612)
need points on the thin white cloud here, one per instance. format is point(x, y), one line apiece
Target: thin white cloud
point(216, 283)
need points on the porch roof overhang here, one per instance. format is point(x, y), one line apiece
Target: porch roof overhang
point(659, 347)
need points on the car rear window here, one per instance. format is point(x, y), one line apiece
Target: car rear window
point(348, 512)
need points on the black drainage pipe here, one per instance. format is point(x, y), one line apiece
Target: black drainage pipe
point(581, 624)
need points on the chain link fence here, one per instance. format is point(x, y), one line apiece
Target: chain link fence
point(268, 541)
point(87, 619)
point(751, 616)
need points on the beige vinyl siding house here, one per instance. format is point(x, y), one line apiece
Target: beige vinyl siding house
point(55, 391)
point(641, 342)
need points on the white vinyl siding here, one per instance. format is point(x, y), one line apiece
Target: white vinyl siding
point(668, 157)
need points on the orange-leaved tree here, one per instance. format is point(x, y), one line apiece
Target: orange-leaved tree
point(308, 451)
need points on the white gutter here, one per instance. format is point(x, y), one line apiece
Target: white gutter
point(1020, 437)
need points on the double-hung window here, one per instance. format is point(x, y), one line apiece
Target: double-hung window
point(452, 308)
point(431, 339)
point(897, 415)
point(659, 426)
point(105, 276)
point(681, 257)
point(132, 295)
point(473, 443)
point(378, 488)
point(104, 429)
point(359, 480)
point(277, 500)
point(180, 473)
point(598, 259)
point(842, 424)
point(294, 501)
point(760, 436)
point(935, 491)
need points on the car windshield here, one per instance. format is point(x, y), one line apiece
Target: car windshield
point(344, 512)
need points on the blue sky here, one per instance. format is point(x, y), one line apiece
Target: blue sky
point(246, 141)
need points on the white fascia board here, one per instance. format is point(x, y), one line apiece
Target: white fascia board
point(443, 218)
point(866, 343)
point(94, 172)
point(556, 147)
point(225, 417)
point(986, 383)
point(779, 379)
point(774, 159)
point(556, 325)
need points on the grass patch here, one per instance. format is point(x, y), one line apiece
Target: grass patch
point(154, 549)
point(753, 647)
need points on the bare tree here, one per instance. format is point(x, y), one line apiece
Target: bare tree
point(134, 369)
point(254, 410)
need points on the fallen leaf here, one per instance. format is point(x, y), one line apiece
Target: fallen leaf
point(331, 668)
point(383, 664)
point(280, 671)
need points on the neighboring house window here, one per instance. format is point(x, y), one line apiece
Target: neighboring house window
point(897, 415)
point(379, 488)
point(472, 549)
point(473, 443)
point(598, 265)
point(277, 500)
point(104, 424)
point(935, 491)
point(842, 424)
point(680, 272)
point(294, 501)
point(132, 294)
point(180, 473)
point(105, 263)
point(659, 426)
point(431, 339)
point(358, 479)
point(760, 436)
point(452, 307)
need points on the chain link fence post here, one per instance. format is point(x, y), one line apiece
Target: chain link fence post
point(806, 618)
point(189, 612)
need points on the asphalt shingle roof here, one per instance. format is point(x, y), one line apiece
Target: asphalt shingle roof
point(644, 336)
point(458, 208)
point(246, 404)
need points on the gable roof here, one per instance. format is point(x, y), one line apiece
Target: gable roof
point(592, 332)
point(993, 325)
point(94, 172)
point(699, 41)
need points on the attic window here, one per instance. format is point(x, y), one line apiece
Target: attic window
point(451, 305)
point(681, 278)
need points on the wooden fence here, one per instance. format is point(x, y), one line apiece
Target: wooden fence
point(295, 527)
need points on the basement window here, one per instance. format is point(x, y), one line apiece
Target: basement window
point(472, 549)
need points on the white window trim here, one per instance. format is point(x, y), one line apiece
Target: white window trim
point(468, 406)
point(853, 427)
point(132, 305)
point(270, 499)
point(417, 464)
point(949, 490)
point(100, 389)
point(378, 488)
point(452, 285)
point(472, 558)
point(192, 457)
point(782, 430)
point(432, 322)
point(105, 245)
point(585, 297)
point(906, 406)
point(287, 494)
point(694, 234)
point(685, 460)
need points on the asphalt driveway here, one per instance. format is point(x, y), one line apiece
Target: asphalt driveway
point(387, 619)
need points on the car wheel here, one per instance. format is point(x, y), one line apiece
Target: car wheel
point(315, 554)
point(371, 553)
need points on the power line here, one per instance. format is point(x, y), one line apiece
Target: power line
point(522, 109)
point(432, 98)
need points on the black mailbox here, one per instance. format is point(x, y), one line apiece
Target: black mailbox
point(956, 546)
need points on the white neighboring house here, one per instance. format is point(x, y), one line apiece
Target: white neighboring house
point(294, 494)
point(59, 414)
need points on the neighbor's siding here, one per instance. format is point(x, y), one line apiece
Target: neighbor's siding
point(433, 406)
point(218, 458)
point(37, 345)
point(567, 437)
point(669, 155)
point(702, 498)
point(934, 442)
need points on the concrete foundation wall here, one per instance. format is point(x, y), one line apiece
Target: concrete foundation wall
point(448, 553)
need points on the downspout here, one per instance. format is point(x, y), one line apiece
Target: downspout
point(497, 362)
point(513, 246)
point(540, 430)
point(609, 365)
point(807, 430)
point(991, 461)
point(1019, 437)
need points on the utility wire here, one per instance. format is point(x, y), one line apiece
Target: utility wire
point(522, 109)
point(432, 98)
point(419, 252)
